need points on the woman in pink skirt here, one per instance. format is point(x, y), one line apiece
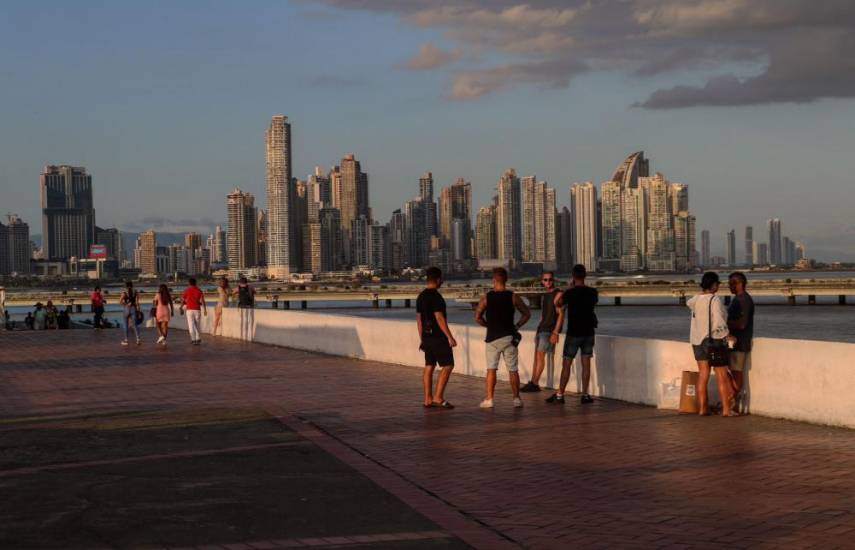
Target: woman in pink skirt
point(163, 312)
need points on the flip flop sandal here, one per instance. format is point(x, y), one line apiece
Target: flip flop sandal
point(443, 405)
point(432, 405)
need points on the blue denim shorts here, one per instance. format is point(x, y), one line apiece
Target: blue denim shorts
point(543, 344)
point(575, 344)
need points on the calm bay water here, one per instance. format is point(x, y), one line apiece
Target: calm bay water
point(639, 317)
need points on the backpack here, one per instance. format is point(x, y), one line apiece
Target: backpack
point(245, 297)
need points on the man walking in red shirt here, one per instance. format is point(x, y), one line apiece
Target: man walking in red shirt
point(193, 302)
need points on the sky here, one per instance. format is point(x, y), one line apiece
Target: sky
point(750, 102)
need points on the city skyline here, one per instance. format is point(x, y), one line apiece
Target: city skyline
point(168, 134)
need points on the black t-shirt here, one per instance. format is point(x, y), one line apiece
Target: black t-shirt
point(580, 302)
point(427, 304)
point(742, 306)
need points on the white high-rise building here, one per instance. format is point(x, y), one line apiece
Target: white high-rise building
point(278, 144)
point(242, 239)
point(538, 221)
point(583, 208)
point(508, 226)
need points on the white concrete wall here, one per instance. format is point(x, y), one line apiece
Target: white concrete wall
point(802, 380)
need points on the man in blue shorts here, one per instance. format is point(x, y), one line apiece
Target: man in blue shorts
point(579, 301)
point(551, 320)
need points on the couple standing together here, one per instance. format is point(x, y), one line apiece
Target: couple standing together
point(496, 311)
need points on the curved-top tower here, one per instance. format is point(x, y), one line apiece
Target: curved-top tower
point(631, 169)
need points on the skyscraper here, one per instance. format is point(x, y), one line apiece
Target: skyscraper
point(731, 248)
point(331, 245)
point(788, 250)
point(351, 184)
point(279, 194)
point(147, 253)
point(610, 223)
point(455, 203)
point(508, 223)
point(14, 247)
point(242, 247)
point(684, 241)
point(538, 221)
point(417, 239)
point(426, 194)
point(774, 226)
point(749, 246)
point(361, 242)
point(261, 232)
point(219, 254)
point(705, 248)
point(633, 167)
point(583, 208)
point(397, 241)
point(319, 194)
point(659, 244)
point(300, 216)
point(564, 240)
point(485, 233)
point(68, 212)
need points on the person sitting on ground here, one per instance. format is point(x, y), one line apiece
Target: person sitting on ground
point(709, 329)
point(740, 321)
point(436, 339)
point(496, 312)
point(579, 301)
point(551, 320)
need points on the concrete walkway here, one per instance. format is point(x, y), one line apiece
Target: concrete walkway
point(607, 475)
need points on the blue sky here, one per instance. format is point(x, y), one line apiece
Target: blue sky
point(166, 105)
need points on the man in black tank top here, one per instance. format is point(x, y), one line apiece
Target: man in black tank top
point(496, 312)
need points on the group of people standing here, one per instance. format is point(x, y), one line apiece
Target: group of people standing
point(496, 311)
point(191, 304)
point(721, 337)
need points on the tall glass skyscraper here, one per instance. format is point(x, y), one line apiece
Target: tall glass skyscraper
point(68, 212)
point(775, 257)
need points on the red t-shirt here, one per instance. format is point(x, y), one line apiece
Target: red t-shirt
point(97, 299)
point(192, 298)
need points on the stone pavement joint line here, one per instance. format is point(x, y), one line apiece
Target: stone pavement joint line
point(430, 505)
point(607, 475)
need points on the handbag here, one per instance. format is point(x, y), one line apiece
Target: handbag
point(717, 349)
point(140, 317)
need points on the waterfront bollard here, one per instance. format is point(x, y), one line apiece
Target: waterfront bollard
point(791, 300)
point(841, 299)
point(812, 299)
point(682, 300)
point(617, 300)
point(388, 303)
point(304, 304)
point(286, 304)
point(407, 302)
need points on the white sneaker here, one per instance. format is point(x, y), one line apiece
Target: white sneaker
point(160, 340)
point(486, 404)
point(139, 342)
point(124, 342)
point(518, 403)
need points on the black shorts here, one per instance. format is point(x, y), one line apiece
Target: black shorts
point(437, 352)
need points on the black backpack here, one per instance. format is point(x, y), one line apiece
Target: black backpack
point(245, 297)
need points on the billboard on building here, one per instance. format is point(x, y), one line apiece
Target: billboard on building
point(97, 251)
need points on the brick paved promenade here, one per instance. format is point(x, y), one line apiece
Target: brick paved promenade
point(608, 475)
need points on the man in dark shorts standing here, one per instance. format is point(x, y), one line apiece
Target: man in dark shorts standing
point(740, 321)
point(551, 320)
point(580, 301)
point(436, 339)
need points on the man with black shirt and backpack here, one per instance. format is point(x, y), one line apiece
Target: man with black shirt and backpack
point(436, 339)
point(245, 294)
point(579, 301)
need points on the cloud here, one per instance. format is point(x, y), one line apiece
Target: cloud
point(431, 57)
point(752, 52)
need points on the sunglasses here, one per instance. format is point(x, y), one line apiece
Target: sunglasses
point(547, 280)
